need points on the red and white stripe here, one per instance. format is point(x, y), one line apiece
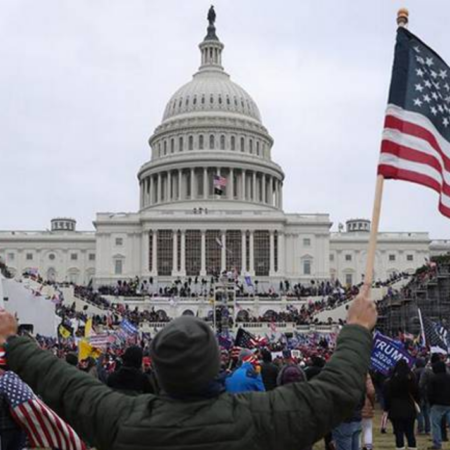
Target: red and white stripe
point(44, 428)
point(413, 150)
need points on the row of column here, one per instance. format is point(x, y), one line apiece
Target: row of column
point(203, 269)
point(197, 184)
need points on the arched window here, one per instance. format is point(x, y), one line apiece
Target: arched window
point(242, 144)
point(203, 99)
point(180, 144)
point(211, 99)
point(159, 150)
point(195, 100)
point(172, 145)
point(220, 100)
point(250, 144)
point(191, 143)
point(211, 141)
point(201, 142)
point(233, 143)
point(257, 148)
point(165, 147)
point(222, 142)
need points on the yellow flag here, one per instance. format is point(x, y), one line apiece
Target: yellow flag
point(85, 350)
point(64, 332)
point(88, 328)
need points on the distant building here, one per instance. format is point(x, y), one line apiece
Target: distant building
point(211, 200)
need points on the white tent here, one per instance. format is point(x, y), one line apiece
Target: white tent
point(38, 311)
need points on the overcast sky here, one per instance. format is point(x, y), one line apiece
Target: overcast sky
point(83, 84)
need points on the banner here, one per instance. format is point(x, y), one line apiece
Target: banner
point(128, 327)
point(386, 352)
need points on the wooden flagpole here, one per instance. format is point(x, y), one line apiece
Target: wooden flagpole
point(402, 21)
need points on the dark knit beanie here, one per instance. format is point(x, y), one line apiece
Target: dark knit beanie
point(186, 356)
point(133, 357)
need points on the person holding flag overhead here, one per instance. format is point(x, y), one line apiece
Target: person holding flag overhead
point(193, 410)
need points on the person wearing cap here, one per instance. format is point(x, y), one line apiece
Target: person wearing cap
point(245, 378)
point(130, 379)
point(192, 412)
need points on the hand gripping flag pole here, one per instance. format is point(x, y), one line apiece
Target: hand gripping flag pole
point(402, 22)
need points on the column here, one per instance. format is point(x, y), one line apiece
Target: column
point(272, 254)
point(264, 188)
point(145, 256)
point(231, 184)
point(277, 194)
point(155, 253)
point(151, 193)
point(169, 185)
point(281, 195)
point(183, 253)
point(254, 187)
point(244, 251)
point(281, 254)
point(203, 256)
point(193, 184)
point(243, 184)
point(175, 252)
point(271, 191)
point(180, 187)
point(252, 254)
point(159, 199)
point(205, 183)
point(223, 255)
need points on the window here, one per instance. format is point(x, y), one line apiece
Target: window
point(119, 242)
point(307, 267)
point(191, 143)
point(29, 256)
point(348, 257)
point(213, 252)
point(193, 252)
point(234, 250)
point(409, 257)
point(331, 257)
point(165, 252)
point(180, 144)
point(172, 145)
point(242, 144)
point(233, 143)
point(211, 142)
point(391, 257)
point(349, 279)
point(306, 242)
point(159, 150)
point(250, 143)
point(74, 257)
point(257, 148)
point(51, 257)
point(165, 147)
point(118, 266)
point(91, 256)
point(11, 256)
point(261, 252)
point(222, 142)
point(201, 142)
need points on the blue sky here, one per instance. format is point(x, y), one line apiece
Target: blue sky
point(84, 83)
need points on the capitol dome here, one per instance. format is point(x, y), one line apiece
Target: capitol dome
point(211, 91)
point(211, 133)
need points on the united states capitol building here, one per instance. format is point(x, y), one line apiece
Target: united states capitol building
point(211, 129)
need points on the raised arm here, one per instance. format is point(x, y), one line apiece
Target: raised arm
point(297, 415)
point(91, 408)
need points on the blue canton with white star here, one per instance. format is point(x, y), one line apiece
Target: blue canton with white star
point(421, 81)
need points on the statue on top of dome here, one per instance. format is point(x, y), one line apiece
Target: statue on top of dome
point(211, 16)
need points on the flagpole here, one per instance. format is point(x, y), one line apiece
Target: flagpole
point(402, 21)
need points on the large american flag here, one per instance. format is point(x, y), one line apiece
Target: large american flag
point(43, 427)
point(416, 137)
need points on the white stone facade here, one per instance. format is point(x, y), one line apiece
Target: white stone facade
point(211, 132)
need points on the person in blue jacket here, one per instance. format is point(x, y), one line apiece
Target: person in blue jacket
point(245, 378)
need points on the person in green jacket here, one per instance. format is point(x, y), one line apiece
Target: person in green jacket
point(192, 412)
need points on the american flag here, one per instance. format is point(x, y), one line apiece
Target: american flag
point(245, 339)
point(43, 427)
point(219, 184)
point(416, 136)
point(435, 335)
